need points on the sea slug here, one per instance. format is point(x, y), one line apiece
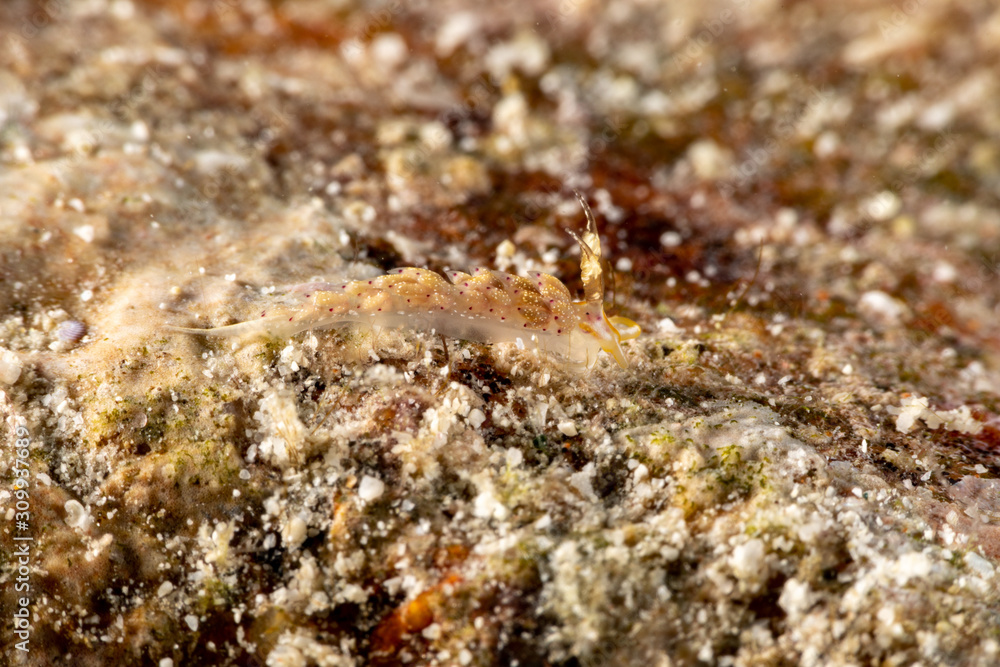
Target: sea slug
point(485, 306)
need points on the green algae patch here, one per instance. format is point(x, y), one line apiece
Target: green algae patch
point(724, 456)
point(169, 484)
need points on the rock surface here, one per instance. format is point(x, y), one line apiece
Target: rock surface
point(798, 201)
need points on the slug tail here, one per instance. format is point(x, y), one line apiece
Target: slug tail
point(249, 329)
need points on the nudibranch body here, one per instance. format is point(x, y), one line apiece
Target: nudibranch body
point(485, 306)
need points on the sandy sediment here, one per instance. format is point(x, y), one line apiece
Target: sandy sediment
point(797, 202)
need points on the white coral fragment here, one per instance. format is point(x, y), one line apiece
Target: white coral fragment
point(917, 407)
point(284, 433)
point(371, 488)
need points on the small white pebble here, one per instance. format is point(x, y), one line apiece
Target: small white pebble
point(979, 565)
point(581, 481)
point(879, 308)
point(192, 621)
point(641, 474)
point(514, 457)
point(826, 144)
point(231, 277)
point(85, 232)
point(389, 49)
point(371, 488)
point(506, 249)
point(10, 367)
point(567, 428)
point(882, 206)
point(476, 418)
point(166, 662)
point(944, 273)
point(22, 153)
point(86, 295)
point(139, 131)
point(796, 598)
point(294, 532)
point(747, 560)
point(165, 589)
point(666, 325)
point(670, 239)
